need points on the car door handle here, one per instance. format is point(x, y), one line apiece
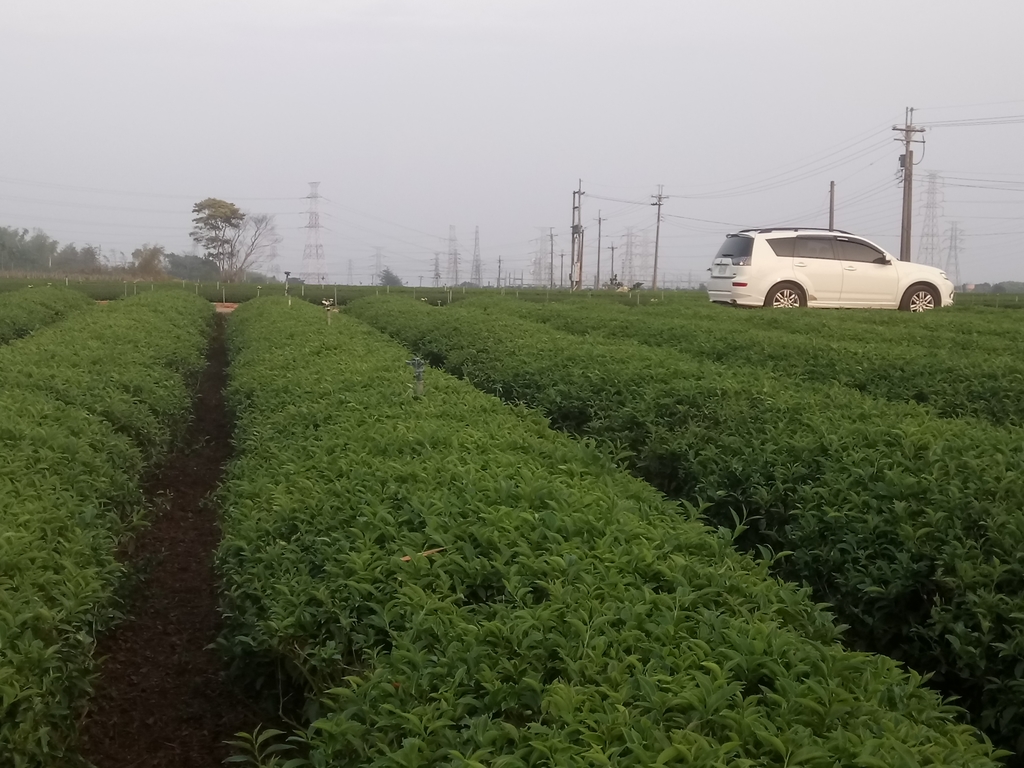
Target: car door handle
point(799, 264)
point(850, 269)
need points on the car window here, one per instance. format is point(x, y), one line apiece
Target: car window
point(783, 246)
point(814, 248)
point(737, 248)
point(851, 251)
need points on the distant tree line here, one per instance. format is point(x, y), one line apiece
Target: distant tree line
point(1008, 286)
point(34, 252)
point(235, 246)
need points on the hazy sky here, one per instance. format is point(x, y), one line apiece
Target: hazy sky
point(416, 115)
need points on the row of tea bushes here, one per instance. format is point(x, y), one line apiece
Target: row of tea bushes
point(85, 406)
point(29, 309)
point(959, 364)
point(909, 524)
point(455, 584)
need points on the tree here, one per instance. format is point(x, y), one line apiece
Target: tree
point(191, 267)
point(149, 260)
point(387, 277)
point(234, 240)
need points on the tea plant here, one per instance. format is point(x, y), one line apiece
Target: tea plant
point(959, 364)
point(84, 407)
point(910, 525)
point(27, 310)
point(455, 584)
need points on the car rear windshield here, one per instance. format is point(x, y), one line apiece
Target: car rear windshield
point(736, 248)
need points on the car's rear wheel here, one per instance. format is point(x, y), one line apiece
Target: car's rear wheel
point(785, 296)
point(920, 298)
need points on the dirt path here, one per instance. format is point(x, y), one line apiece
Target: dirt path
point(160, 699)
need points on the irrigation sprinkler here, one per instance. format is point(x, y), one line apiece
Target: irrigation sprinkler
point(418, 366)
point(330, 306)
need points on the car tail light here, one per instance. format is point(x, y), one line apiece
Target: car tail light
point(739, 285)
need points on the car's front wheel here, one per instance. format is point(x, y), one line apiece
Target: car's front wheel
point(785, 296)
point(920, 298)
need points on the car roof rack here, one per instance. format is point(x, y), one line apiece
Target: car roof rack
point(759, 230)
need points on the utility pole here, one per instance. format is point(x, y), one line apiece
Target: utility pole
point(561, 270)
point(612, 270)
point(658, 199)
point(907, 164)
point(576, 258)
point(831, 205)
point(551, 266)
point(499, 271)
point(597, 276)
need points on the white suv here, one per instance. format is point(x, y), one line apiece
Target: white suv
point(820, 268)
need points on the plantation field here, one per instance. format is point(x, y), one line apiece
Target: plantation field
point(27, 310)
point(906, 520)
point(612, 530)
point(452, 583)
point(111, 290)
point(86, 406)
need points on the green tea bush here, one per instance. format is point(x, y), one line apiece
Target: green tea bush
point(910, 525)
point(959, 364)
point(27, 310)
point(84, 407)
point(455, 584)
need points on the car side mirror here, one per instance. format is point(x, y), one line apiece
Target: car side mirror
point(883, 260)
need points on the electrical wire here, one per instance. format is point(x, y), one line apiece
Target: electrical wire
point(123, 193)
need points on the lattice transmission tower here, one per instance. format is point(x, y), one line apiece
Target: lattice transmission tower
point(437, 270)
point(378, 264)
point(314, 266)
point(539, 262)
point(954, 243)
point(929, 249)
point(645, 270)
point(628, 268)
point(453, 257)
point(476, 276)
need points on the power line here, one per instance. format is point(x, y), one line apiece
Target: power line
point(124, 193)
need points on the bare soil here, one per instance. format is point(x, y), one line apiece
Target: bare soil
point(161, 698)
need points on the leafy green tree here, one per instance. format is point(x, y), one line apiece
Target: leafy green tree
point(236, 241)
point(189, 266)
point(387, 277)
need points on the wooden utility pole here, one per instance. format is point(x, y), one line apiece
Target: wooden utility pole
point(597, 276)
point(658, 199)
point(831, 205)
point(561, 270)
point(907, 164)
